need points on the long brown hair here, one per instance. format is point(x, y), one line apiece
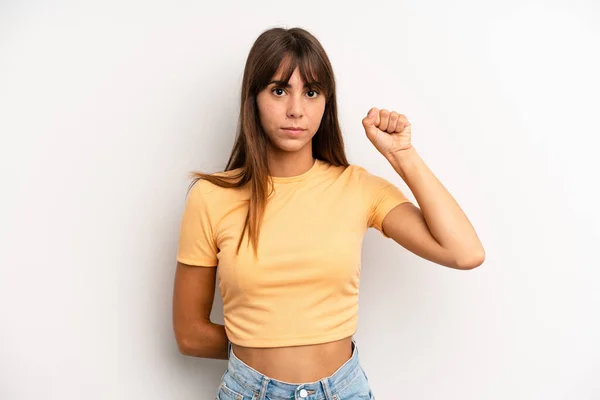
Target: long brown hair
point(300, 49)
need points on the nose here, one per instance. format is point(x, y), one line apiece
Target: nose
point(294, 107)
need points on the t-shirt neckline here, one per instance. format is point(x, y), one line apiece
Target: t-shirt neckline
point(297, 178)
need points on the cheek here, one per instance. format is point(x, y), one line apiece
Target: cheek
point(267, 114)
point(317, 116)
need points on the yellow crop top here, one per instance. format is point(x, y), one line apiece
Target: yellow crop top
point(304, 287)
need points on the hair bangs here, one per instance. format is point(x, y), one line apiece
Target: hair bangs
point(313, 71)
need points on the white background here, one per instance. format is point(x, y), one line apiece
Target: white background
point(107, 106)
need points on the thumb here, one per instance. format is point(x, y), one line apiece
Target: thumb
point(370, 121)
point(371, 117)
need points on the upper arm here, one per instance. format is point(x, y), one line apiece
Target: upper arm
point(197, 244)
point(406, 225)
point(193, 297)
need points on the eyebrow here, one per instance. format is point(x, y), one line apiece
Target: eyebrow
point(287, 84)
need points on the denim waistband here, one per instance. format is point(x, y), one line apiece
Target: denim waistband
point(323, 388)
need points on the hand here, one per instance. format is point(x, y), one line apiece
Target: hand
point(390, 133)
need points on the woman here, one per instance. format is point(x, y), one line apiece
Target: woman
point(285, 222)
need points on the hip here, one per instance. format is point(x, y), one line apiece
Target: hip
point(242, 382)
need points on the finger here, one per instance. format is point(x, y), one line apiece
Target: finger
point(371, 118)
point(385, 117)
point(402, 123)
point(392, 125)
point(401, 128)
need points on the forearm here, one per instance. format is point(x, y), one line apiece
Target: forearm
point(205, 340)
point(445, 219)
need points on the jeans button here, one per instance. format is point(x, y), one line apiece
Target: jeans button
point(303, 393)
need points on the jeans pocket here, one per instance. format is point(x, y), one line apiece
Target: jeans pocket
point(226, 393)
point(371, 396)
point(357, 389)
point(231, 389)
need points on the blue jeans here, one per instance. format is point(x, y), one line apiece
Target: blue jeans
point(242, 382)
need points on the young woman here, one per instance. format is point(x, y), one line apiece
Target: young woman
point(284, 223)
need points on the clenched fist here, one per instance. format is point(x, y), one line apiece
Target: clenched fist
point(388, 131)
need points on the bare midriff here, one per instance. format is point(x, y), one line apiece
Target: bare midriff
point(297, 364)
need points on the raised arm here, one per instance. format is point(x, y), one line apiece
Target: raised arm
point(439, 230)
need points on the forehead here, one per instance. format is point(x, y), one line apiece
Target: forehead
point(296, 77)
point(302, 72)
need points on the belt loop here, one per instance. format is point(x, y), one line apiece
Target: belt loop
point(263, 388)
point(326, 389)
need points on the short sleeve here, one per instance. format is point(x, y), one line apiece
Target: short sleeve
point(383, 196)
point(197, 245)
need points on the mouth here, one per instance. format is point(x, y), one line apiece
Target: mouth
point(292, 129)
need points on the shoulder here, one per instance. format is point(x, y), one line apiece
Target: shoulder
point(357, 172)
point(229, 174)
point(357, 169)
point(209, 183)
point(350, 169)
point(367, 181)
point(354, 178)
point(205, 188)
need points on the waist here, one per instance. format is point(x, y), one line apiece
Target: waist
point(294, 364)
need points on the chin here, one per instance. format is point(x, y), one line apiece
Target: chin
point(290, 146)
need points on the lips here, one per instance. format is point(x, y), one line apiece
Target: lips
point(294, 129)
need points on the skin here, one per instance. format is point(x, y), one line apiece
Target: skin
point(279, 106)
point(289, 155)
point(437, 230)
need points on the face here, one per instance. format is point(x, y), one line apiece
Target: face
point(293, 105)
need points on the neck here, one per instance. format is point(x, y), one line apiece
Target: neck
point(286, 164)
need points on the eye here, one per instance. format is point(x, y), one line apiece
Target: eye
point(314, 92)
point(277, 91)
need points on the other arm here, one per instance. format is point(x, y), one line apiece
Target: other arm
point(439, 231)
point(193, 297)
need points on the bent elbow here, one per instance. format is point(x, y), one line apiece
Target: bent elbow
point(471, 262)
point(184, 347)
point(186, 343)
